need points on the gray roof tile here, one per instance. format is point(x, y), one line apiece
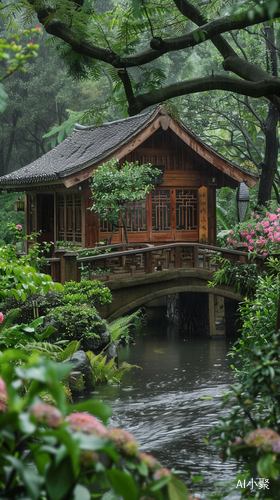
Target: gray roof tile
point(85, 146)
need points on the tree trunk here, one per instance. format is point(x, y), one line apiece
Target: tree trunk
point(269, 166)
point(125, 229)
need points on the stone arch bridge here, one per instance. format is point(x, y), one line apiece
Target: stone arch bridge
point(139, 274)
point(133, 292)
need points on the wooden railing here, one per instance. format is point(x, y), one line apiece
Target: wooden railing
point(152, 259)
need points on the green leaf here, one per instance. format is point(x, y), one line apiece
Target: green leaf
point(25, 424)
point(60, 480)
point(177, 490)
point(266, 466)
point(15, 293)
point(197, 479)
point(123, 484)
point(81, 493)
point(3, 99)
point(94, 406)
point(196, 36)
point(30, 478)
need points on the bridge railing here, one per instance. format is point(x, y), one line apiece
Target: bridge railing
point(152, 259)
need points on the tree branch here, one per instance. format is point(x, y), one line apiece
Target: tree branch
point(261, 88)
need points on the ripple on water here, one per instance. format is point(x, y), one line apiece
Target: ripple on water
point(162, 406)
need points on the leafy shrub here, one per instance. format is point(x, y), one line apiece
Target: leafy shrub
point(244, 277)
point(258, 317)
point(75, 321)
point(250, 430)
point(90, 292)
point(19, 336)
point(8, 216)
point(71, 452)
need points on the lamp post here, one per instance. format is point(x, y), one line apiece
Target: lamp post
point(242, 199)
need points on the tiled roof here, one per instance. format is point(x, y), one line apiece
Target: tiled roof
point(85, 146)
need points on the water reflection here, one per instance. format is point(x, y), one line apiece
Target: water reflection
point(162, 406)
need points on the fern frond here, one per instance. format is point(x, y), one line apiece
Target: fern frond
point(123, 368)
point(10, 318)
point(50, 351)
point(71, 348)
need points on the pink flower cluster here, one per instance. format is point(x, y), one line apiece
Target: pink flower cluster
point(3, 396)
point(261, 236)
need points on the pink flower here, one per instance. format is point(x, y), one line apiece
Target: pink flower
point(252, 214)
point(231, 232)
point(160, 473)
point(253, 232)
point(234, 242)
point(149, 460)
point(272, 217)
point(228, 240)
point(86, 423)
point(1, 317)
point(19, 227)
point(265, 223)
point(3, 396)
point(37, 28)
point(47, 414)
point(123, 440)
point(266, 439)
point(51, 242)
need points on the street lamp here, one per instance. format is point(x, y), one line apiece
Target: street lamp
point(242, 199)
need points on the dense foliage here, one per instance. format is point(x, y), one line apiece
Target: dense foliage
point(15, 56)
point(250, 429)
point(70, 450)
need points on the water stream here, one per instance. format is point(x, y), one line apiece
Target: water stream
point(161, 403)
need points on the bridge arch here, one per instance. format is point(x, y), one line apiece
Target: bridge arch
point(133, 293)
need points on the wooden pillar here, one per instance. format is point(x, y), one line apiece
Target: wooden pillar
point(71, 266)
point(216, 315)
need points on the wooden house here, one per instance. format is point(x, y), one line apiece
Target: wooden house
point(181, 207)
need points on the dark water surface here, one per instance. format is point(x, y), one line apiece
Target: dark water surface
point(161, 404)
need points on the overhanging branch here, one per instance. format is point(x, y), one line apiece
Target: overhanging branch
point(263, 88)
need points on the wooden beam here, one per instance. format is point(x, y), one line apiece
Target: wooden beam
point(211, 157)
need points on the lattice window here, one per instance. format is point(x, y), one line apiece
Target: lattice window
point(69, 217)
point(136, 216)
point(161, 220)
point(105, 227)
point(186, 209)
